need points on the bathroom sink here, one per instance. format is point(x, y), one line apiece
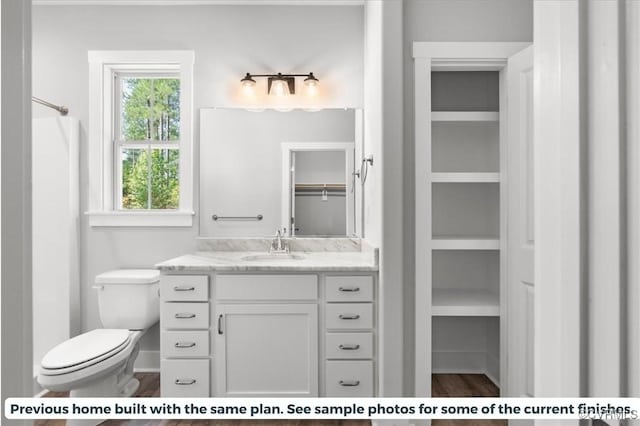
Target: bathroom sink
point(272, 256)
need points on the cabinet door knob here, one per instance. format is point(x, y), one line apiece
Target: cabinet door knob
point(185, 382)
point(185, 344)
point(183, 288)
point(349, 316)
point(349, 289)
point(349, 347)
point(349, 382)
point(183, 315)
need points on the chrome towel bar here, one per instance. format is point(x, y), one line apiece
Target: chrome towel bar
point(240, 218)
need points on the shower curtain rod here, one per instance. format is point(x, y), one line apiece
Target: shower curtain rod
point(63, 110)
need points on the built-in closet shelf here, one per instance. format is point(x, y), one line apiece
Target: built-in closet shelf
point(465, 177)
point(464, 243)
point(465, 116)
point(465, 302)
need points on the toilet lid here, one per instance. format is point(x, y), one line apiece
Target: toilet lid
point(129, 276)
point(85, 347)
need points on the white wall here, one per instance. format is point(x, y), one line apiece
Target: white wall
point(444, 20)
point(56, 233)
point(321, 166)
point(373, 121)
point(383, 189)
point(228, 41)
point(17, 380)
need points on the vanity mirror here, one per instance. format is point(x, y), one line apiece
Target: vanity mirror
point(269, 170)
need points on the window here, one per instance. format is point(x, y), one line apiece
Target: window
point(140, 138)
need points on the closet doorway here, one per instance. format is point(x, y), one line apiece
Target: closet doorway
point(474, 293)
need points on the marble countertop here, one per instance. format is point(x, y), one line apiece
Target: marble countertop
point(312, 261)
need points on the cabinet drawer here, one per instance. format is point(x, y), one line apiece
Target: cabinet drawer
point(266, 287)
point(184, 344)
point(349, 289)
point(184, 378)
point(184, 315)
point(187, 288)
point(349, 378)
point(349, 345)
point(349, 316)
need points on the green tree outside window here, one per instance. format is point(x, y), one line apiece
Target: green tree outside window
point(150, 111)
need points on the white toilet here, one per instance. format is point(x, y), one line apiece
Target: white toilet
point(99, 363)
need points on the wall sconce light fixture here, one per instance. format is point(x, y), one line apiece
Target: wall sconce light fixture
point(280, 84)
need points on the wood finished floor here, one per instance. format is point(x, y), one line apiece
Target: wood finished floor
point(443, 385)
point(464, 385)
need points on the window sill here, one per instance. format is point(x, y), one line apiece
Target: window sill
point(140, 219)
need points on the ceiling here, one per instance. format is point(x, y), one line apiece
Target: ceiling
point(197, 2)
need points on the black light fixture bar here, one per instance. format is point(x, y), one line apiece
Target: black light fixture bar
point(310, 80)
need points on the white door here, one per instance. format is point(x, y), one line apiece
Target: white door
point(267, 350)
point(520, 225)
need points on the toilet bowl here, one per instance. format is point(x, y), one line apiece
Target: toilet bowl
point(99, 363)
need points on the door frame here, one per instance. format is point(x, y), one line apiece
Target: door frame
point(349, 155)
point(449, 56)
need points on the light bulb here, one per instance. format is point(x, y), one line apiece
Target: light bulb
point(247, 89)
point(311, 83)
point(247, 84)
point(279, 87)
point(312, 89)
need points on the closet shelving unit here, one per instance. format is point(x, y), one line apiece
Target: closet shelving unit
point(460, 209)
point(465, 221)
point(462, 299)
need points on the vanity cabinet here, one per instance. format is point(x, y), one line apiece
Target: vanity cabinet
point(184, 336)
point(349, 336)
point(269, 334)
point(267, 350)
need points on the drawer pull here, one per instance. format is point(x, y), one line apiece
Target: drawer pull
point(220, 324)
point(185, 344)
point(185, 382)
point(349, 347)
point(349, 289)
point(185, 315)
point(349, 316)
point(349, 382)
point(183, 288)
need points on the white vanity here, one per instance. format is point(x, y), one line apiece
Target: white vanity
point(244, 323)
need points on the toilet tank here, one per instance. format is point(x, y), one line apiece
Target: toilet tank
point(128, 298)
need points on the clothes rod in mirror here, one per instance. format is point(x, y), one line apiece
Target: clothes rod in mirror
point(320, 187)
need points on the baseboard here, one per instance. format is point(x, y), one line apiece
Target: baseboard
point(467, 363)
point(493, 369)
point(37, 390)
point(459, 362)
point(378, 422)
point(147, 362)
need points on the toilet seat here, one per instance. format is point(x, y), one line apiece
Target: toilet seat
point(84, 350)
point(70, 365)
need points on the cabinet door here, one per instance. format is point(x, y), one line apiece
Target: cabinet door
point(267, 350)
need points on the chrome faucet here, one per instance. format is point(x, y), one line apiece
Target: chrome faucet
point(277, 245)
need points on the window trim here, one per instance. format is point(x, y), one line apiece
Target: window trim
point(102, 170)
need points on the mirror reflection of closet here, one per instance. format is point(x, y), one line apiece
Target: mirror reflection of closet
point(319, 189)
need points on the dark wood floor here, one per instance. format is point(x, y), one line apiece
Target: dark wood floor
point(464, 385)
point(443, 385)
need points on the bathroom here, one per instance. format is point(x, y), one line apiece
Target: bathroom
point(365, 79)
